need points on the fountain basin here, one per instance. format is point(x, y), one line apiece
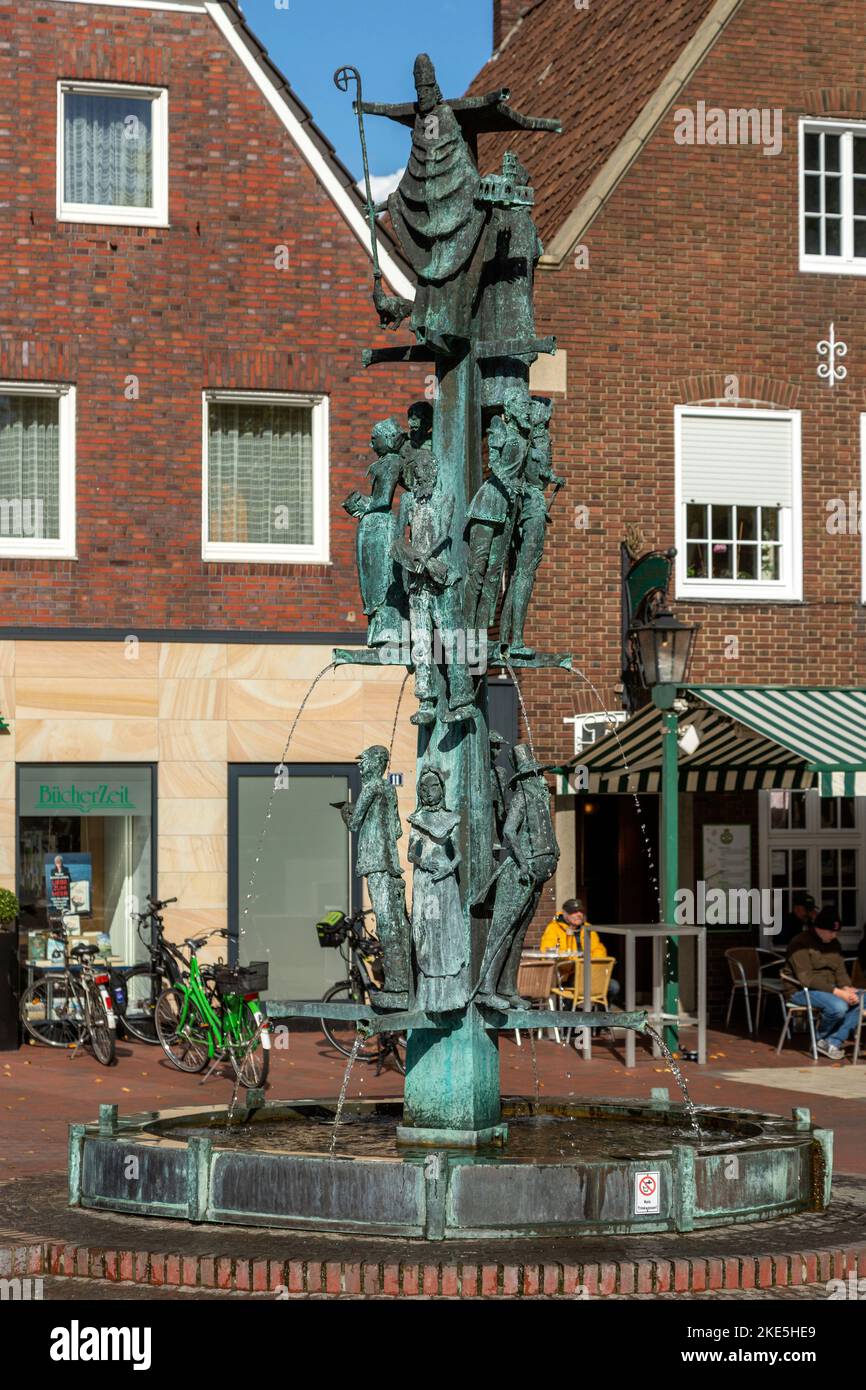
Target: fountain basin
point(569, 1167)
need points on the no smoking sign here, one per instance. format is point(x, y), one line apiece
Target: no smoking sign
point(646, 1193)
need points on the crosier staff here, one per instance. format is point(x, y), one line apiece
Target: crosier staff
point(392, 309)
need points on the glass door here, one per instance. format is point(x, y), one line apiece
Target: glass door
point(289, 869)
point(817, 845)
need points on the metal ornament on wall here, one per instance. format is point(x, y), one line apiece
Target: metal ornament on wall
point(832, 348)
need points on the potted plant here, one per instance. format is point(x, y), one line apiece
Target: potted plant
point(9, 909)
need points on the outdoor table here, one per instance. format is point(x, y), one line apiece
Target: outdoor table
point(658, 934)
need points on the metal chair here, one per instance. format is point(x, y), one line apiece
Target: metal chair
point(789, 1012)
point(535, 982)
point(745, 972)
point(747, 969)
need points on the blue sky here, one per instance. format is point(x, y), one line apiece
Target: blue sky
point(309, 39)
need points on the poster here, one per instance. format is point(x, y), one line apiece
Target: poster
point(69, 883)
point(728, 864)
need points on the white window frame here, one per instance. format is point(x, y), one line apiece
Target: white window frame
point(812, 839)
point(108, 214)
point(31, 547)
point(847, 263)
point(319, 552)
point(789, 588)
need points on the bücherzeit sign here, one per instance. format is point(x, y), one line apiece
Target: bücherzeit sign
point(114, 792)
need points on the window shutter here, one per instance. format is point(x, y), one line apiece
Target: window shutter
point(737, 461)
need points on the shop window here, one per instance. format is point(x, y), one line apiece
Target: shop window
point(85, 852)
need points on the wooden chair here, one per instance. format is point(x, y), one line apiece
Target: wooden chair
point(535, 982)
point(601, 970)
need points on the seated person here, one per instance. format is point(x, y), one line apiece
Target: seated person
point(815, 958)
point(797, 920)
point(566, 933)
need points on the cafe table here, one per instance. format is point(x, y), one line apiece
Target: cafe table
point(659, 934)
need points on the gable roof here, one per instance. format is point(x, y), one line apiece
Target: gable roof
point(609, 72)
point(312, 144)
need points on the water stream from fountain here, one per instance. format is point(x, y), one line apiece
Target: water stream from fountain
point(360, 1039)
point(534, 1051)
point(689, 1104)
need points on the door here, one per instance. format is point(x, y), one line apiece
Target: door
point(290, 861)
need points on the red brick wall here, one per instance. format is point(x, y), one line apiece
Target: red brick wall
point(693, 275)
point(198, 305)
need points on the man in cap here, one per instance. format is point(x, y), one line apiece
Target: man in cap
point(803, 912)
point(375, 820)
point(815, 960)
point(566, 934)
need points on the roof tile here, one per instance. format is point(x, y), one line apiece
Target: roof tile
point(595, 69)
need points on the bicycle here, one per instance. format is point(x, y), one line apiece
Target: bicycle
point(362, 954)
point(212, 1015)
point(136, 990)
point(70, 1010)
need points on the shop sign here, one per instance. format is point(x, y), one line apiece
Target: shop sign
point(112, 794)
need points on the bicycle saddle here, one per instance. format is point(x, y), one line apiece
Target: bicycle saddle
point(82, 950)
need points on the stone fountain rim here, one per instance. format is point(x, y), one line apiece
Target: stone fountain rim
point(767, 1130)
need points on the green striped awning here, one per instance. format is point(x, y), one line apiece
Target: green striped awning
point(751, 738)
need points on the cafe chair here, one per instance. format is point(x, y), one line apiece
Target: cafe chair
point(535, 982)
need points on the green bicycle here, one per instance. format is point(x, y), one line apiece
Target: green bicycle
point(213, 1014)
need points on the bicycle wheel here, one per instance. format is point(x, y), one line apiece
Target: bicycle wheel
point(135, 993)
point(184, 1044)
point(252, 1063)
point(101, 1034)
point(52, 1011)
point(342, 1035)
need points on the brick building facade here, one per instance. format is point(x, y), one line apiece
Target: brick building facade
point(142, 664)
point(680, 271)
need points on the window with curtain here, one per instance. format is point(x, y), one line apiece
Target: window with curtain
point(260, 474)
point(29, 467)
point(738, 479)
point(113, 147)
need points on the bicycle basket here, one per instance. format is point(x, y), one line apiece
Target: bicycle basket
point(242, 979)
point(331, 929)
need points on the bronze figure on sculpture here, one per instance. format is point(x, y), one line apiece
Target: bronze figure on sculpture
point(436, 624)
point(380, 577)
point(532, 521)
point(437, 920)
point(375, 820)
point(531, 854)
point(491, 516)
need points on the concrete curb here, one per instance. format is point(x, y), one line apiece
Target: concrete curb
point(287, 1278)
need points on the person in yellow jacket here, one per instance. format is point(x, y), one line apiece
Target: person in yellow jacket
point(567, 931)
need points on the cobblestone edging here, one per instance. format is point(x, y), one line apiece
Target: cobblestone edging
point(430, 1280)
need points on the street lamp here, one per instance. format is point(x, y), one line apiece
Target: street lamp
point(663, 649)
